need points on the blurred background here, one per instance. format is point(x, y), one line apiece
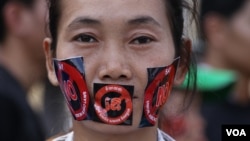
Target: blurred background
point(31, 108)
point(221, 44)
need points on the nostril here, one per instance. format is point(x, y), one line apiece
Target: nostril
point(119, 77)
point(123, 76)
point(114, 71)
point(106, 76)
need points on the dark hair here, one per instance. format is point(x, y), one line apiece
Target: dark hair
point(225, 8)
point(175, 14)
point(3, 31)
point(222, 8)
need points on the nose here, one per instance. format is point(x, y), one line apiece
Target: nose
point(114, 65)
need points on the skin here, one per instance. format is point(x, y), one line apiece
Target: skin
point(173, 112)
point(228, 42)
point(119, 40)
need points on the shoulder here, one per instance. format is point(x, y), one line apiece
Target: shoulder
point(10, 87)
point(69, 137)
point(64, 137)
point(162, 136)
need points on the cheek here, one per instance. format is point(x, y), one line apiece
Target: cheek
point(161, 55)
point(91, 73)
point(242, 31)
point(242, 38)
point(238, 46)
point(65, 49)
point(61, 52)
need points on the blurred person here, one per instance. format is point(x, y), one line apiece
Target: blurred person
point(116, 64)
point(22, 29)
point(226, 33)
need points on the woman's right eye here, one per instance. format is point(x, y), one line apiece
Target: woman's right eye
point(84, 38)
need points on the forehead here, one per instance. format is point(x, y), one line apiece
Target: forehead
point(113, 9)
point(116, 5)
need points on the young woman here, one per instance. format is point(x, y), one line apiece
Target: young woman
point(116, 62)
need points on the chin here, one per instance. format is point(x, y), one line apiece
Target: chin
point(109, 129)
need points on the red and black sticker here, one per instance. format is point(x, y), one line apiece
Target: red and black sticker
point(70, 75)
point(160, 81)
point(113, 104)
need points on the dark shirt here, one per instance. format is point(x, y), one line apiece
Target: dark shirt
point(223, 112)
point(17, 120)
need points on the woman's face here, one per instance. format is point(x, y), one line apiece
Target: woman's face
point(35, 29)
point(238, 40)
point(118, 40)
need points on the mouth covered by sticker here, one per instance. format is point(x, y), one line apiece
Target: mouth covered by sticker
point(113, 103)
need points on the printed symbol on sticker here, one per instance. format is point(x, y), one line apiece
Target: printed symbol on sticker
point(113, 104)
point(73, 86)
point(162, 95)
point(157, 93)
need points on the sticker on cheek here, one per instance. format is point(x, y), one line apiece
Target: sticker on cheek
point(113, 104)
point(71, 77)
point(160, 81)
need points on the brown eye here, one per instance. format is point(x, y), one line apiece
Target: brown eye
point(142, 40)
point(85, 38)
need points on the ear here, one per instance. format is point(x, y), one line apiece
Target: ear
point(184, 61)
point(49, 62)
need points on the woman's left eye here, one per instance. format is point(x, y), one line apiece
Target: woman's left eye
point(85, 38)
point(142, 40)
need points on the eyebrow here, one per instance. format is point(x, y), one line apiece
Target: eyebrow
point(139, 20)
point(143, 20)
point(84, 21)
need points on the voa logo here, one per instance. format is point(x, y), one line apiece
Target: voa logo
point(236, 132)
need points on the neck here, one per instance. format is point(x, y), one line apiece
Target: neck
point(82, 133)
point(215, 59)
point(241, 94)
point(16, 58)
